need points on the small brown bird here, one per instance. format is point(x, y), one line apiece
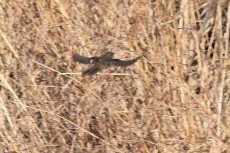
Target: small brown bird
point(101, 62)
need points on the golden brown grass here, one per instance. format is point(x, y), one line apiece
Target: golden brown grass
point(175, 99)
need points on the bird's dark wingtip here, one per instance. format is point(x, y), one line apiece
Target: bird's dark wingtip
point(139, 57)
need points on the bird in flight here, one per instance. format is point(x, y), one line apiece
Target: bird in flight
point(101, 62)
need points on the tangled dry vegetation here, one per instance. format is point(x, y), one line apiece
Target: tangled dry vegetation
point(176, 98)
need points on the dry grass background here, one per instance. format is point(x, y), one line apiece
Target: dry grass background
point(175, 99)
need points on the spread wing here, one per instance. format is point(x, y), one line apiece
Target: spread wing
point(117, 62)
point(92, 70)
point(85, 60)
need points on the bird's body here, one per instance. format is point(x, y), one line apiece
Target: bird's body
point(101, 62)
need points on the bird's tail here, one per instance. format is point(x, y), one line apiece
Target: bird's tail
point(91, 71)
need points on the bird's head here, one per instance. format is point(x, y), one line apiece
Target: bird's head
point(108, 55)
